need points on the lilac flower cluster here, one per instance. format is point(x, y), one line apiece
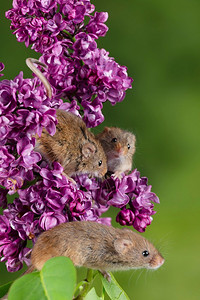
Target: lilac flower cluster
point(86, 77)
point(77, 69)
point(134, 197)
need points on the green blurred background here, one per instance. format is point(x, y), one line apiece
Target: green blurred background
point(159, 42)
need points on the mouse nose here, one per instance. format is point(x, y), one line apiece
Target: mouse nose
point(121, 149)
point(118, 147)
point(161, 261)
point(156, 262)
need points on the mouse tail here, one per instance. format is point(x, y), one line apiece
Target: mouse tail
point(29, 270)
point(30, 63)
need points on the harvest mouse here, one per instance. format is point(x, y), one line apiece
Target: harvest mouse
point(95, 246)
point(119, 147)
point(73, 145)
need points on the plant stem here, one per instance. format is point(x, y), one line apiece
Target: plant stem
point(87, 285)
point(69, 35)
point(32, 182)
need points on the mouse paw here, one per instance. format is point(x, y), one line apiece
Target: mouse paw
point(106, 275)
point(69, 178)
point(118, 175)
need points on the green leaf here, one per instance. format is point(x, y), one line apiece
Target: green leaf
point(58, 277)
point(4, 288)
point(27, 287)
point(113, 289)
point(55, 281)
point(92, 295)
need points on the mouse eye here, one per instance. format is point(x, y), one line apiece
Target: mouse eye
point(100, 163)
point(128, 146)
point(114, 140)
point(145, 253)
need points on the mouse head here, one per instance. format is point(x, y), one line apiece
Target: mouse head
point(137, 251)
point(117, 142)
point(93, 159)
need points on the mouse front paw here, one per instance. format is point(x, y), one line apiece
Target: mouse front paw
point(69, 178)
point(106, 275)
point(118, 175)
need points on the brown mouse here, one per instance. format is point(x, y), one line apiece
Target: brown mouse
point(95, 246)
point(73, 145)
point(119, 147)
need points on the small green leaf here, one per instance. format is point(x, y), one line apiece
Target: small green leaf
point(27, 287)
point(58, 277)
point(113, 289)
point(92, 295)
point(55, 281)
point(4, 288)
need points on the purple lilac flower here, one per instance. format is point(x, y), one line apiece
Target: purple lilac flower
point(96, 24)
point(45, 5)
point(77, 69)
point(33, 19)
point(50, 219)
point(125, 217)
point(133, 196)
point(92, 113)
point(56, 24)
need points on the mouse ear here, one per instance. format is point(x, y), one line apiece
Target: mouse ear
point(88, 150)
point(122, 245)
point(106, 129)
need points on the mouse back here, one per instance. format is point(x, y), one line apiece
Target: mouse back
point(73, 146)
